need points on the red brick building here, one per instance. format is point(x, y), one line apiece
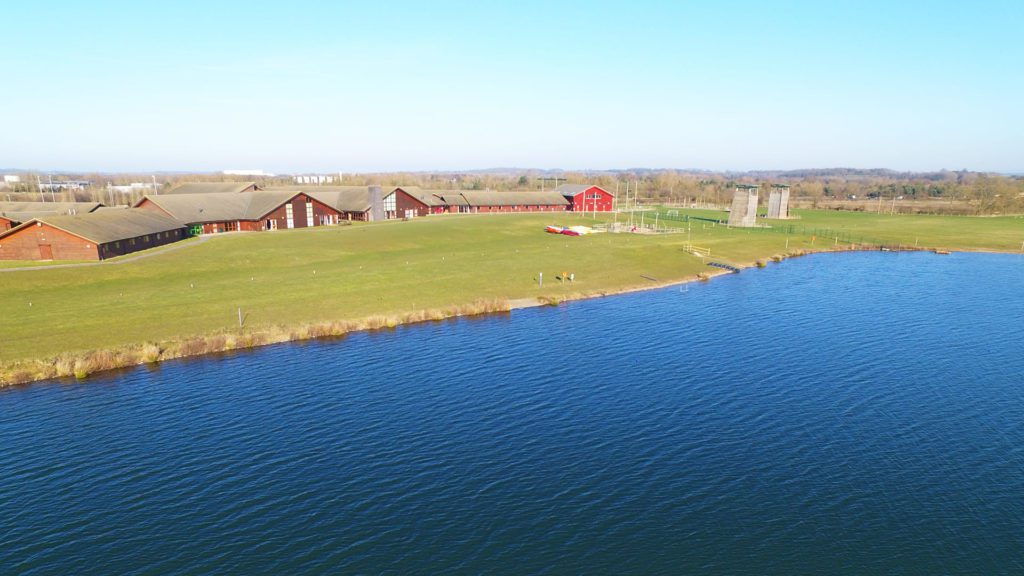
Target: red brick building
point(91, 236)
point(486, 201)
point(587, 198)
point(350, 202)
point(245, 211)
point(410, 202)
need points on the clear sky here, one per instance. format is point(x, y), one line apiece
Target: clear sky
point(390, 86)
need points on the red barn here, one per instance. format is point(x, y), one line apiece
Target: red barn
point(587, 197)
point(92, 236)
point(7, 223)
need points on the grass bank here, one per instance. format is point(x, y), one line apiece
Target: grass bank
point(327, 281)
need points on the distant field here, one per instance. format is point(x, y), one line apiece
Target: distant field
point(998, 233)
point(291, 277)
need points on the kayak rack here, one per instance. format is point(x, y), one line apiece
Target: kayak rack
point(728, 267)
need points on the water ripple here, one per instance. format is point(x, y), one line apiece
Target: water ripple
point(856, 413)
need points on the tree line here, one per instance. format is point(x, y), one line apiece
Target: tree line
point(960, 192)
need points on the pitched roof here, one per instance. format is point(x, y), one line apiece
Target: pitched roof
point(220, 207)
point(212, 187)
point(451, 198)
point(44, 208)
point(341, 198)
point(106, 226)
point(492, 198)
point(573, 189)
point(428, 197)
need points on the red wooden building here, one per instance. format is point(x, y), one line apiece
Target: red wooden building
point(587, 198)
point(91, 236)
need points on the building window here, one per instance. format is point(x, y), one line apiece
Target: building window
point(389, 202)
point(309, 214)
point(289, 215)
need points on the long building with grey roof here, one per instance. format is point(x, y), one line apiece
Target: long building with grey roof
point(272, 209)
point(14, 213)
point(214, 188)
point(89, 236)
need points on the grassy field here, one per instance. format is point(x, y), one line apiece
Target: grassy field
point(1002, 233)
point(292, 277)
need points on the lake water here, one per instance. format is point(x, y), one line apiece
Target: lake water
point(858, 413)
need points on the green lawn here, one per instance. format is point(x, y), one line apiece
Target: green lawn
point(290, 277)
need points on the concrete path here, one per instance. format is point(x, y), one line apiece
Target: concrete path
point(139, 256)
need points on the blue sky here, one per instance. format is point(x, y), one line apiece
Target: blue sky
point(390, 86)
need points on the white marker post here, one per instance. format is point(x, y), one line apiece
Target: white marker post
point(541, 277)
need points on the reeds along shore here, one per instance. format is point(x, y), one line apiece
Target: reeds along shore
point(82, 365)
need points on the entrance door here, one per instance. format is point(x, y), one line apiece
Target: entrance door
point(45, 252)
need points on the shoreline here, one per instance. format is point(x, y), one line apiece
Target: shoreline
point(82, 365)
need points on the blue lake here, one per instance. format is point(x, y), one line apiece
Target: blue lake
point(857, 413)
